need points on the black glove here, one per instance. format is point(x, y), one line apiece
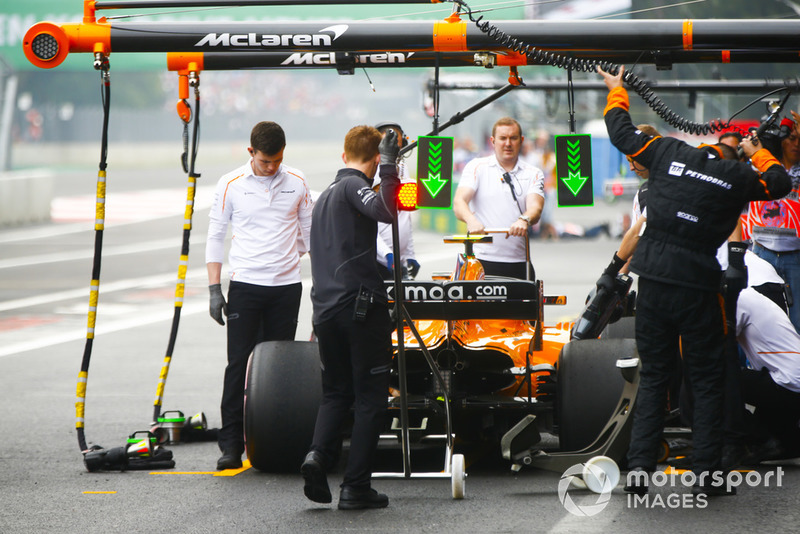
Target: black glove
point(388, 148)
point(413, 267)
point(736, 250)
point(606, 280)
point(736, 273)
point(217, 305)
point(735, 276)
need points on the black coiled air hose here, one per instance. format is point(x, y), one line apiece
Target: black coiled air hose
point(554, 59)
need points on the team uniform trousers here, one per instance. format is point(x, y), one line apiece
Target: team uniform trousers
point(777, 409)
point(665, 312)
point(255, 314)
point(356, 358)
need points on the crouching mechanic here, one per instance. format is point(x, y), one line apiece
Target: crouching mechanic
point(351, 317)
point(771, 383)
point(268, 205)
point(693, 203)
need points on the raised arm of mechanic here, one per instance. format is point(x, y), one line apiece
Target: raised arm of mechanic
point(623, 133)
point(612, 81)
point(381, 206)
point(462, 212)
point(390, 181)
point(773, 182)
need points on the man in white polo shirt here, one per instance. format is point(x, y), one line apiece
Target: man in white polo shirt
point(501, 191)
point(268, 205)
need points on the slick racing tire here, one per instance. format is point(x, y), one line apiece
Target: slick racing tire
point(625, 328)
point(282, 394)
point(589, 388)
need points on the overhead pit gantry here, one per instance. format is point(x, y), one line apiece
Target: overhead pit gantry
point(239, 45)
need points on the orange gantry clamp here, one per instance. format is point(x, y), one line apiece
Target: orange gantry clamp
point(450, 34)
point(188, 65)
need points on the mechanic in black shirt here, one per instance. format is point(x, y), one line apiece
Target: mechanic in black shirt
point(693, 205)
point(351, 316)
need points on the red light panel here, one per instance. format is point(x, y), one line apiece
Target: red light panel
point(407, 197)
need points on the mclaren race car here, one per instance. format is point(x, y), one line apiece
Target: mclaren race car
point(474, 363)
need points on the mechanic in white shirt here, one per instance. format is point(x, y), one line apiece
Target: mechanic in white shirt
point(771, 383)
point(501, 191)
point(268, 205)
point(408, 263)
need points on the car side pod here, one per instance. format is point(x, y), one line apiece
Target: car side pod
point(611, 443)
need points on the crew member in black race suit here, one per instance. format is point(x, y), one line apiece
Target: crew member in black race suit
point(351, 316)
point(693, 205)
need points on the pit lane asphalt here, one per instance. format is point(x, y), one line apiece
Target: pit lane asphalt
point(44, 486)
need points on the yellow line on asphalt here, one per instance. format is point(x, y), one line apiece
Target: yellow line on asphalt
point(99, 492)
point(225, 473)
point(675, 471)
point(183, 473)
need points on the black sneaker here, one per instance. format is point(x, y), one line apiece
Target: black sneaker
point(638, 480)
point(230, 459)
point(316, 487)
point(772, 449)
point(733, 454)
point(358, 499)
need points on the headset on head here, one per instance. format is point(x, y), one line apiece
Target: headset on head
point(786, 127)
point(381, 126)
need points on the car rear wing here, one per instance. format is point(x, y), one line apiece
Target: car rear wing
point(474, 299)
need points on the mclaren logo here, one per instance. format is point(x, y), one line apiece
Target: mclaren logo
point(324, 37)
point(329, 58)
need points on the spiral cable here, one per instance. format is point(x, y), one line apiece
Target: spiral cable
point(562, 61)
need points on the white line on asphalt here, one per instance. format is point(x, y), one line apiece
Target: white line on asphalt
point(189, 308)
point(83, 254)
point(103, 328)
point(109, 287)
point(29, 234)
point(203, 197)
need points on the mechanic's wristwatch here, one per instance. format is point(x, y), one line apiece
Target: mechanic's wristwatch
point(526, 219)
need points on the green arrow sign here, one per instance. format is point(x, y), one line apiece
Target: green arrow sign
point(434, 171)
point(574, 170)
point(434, 183)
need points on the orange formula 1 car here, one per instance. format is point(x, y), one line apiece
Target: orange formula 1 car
point(476, 364)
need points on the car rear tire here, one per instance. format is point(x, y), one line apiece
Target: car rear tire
point(589, 388)
point(282, 394)
point(625, 328)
